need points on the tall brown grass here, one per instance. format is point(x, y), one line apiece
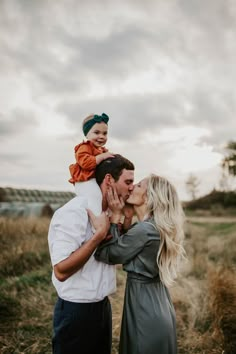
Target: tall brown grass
point(204, 295)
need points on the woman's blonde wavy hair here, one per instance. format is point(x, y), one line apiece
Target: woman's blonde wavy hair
point(164, 206)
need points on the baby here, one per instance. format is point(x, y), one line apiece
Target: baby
point(89, 154)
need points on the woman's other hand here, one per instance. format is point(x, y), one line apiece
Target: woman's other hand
point(128, 211)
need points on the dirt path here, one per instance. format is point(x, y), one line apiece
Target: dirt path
point(212, 219)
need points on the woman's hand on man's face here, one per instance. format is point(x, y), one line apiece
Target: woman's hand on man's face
point(115, 203)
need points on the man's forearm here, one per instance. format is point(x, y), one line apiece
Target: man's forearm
point(77, 259)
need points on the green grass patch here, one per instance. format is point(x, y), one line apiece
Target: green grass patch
point(199, 224)
point(21, 263)
point(211, 228)
point(223, 228)
point(34, 280)
point(9, 309)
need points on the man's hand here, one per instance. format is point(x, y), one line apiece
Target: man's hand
point(100, 223)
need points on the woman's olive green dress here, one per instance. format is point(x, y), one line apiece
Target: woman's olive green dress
point(148, 322)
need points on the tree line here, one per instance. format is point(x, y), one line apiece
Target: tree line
point(228, 165)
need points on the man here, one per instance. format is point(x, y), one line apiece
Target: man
point(82, 315)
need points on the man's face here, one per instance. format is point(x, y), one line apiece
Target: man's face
point(125, 184)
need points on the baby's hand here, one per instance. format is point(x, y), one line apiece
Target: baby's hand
point(106, 155)
point(103, 156)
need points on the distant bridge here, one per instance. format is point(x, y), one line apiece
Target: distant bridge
point(31, 202)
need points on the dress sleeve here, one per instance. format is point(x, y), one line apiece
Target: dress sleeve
point(122, 249)
point(84, 157)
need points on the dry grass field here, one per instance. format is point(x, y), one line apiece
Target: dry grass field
point(204, 295)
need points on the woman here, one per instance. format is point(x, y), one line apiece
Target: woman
point(150, 252)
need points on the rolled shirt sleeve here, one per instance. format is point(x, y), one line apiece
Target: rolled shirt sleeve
point(67, 233)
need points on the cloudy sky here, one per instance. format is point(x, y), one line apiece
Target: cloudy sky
point(163, 70)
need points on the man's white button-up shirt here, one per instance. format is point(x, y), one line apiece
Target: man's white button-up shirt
point(69, 229)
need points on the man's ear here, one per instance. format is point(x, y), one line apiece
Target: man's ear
point(109, 180)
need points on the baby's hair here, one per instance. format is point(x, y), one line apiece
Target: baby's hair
point(87, 119)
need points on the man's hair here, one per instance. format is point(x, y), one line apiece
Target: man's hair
point(114, 166)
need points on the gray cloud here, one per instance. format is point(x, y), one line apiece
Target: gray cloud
point(187, 37)
point(16, 121)
point(79, 57)
point(13, 159)
point(130, 116)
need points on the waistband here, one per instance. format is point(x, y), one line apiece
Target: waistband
point(142, 278)
point(69, 304)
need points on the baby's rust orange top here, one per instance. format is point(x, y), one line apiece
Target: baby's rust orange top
point(85, 165)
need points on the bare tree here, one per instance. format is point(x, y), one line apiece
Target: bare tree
point(192, 184)
point(229, 162)
point(224, 182)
